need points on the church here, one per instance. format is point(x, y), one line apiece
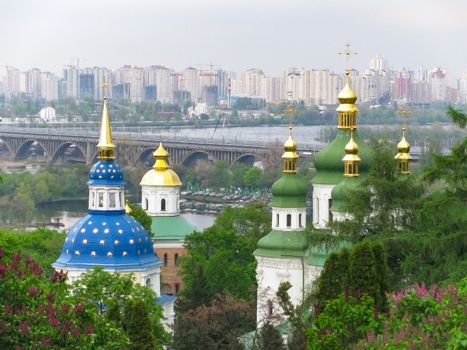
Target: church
point(108, 236)
point(285, 254)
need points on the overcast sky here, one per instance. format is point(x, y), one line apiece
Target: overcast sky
point(238, 34)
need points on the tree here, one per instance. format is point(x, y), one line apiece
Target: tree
point(269, 338)
point(142, 217)
point(137, 324)
point(214, 326)
point(252, 177)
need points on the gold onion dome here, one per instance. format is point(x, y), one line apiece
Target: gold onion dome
point(351, 158)
point(347, 95)
point(161, 174)
point(351, 147)
point(290, 154)
point(105, 146)
point(403, 146)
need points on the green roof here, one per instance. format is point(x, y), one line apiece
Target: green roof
point(289, 191)
point(171, 227)
point(328, 162)
point(282, 244)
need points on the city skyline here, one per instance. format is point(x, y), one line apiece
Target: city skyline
point(271, 35)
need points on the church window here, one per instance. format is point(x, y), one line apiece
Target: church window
point(176, 259)
point(289, 220)
point(330, 213)
point(163, 204)
point(166, 259)
point(101, 199)
point(270, 308)
point(277, 220)
point(148, 282)
point(146, 204)
point(111, 200)
point(93, 199)
point(300, 220)
point(177, 287)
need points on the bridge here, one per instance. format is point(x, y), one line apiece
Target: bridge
point(133, 148)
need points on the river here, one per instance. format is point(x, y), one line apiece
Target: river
point(69, 212)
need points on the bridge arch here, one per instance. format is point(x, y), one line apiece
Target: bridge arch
point(65, 147)
point(5, 145)
point(22, 151)
point(145, 157)
point(191, 159)
point(247, 159)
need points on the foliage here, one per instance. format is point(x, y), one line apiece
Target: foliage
point(42, 245)
point(214, 326)
point(120, 294)
point(37, 312)
point(269, 338)
point(426, 318)
point(357, 271)
point(136, 322)
point(220, 259)
point(140, 215)
point(342, 323)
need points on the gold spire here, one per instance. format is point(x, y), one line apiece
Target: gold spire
point(128, 209)
point(105, 146)
point(161, 155)
point(347, 111)
point(290, 155)
point(403, 156)
point(351, 158)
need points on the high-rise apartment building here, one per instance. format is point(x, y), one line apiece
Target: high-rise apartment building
point(12, 82)
point(135, 77)
point(49, 86)
point(438, 83)
point(190, 83)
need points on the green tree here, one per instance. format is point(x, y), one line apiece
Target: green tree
point(269, 338)
point(140, 215)
point(252, 177)
point(137, 324)
point(214, 326)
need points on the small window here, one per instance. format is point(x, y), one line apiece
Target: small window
point(111, 200)
point(270, 308)
point(300, 220)
point(148, 282)
point(163, 204)
point(101, 200)
point(166, 259)
point(93, 199)
point(176, 259)
point(277, 220)
point(146, 204)
point(177, 287)
point(289, 220)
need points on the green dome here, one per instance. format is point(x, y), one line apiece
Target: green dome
point(328, 162)
point(282, 244)
point(338, 193)
point(289, 191)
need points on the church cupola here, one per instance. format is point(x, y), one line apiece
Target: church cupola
point(403, 156)
point(351, 159)
point(347, 111)
point(160, 187)
point(290, 155)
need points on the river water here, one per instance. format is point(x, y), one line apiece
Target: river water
point(68, 213)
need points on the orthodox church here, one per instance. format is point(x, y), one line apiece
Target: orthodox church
point(285, 254)
point(160, 198)
point(107, 236)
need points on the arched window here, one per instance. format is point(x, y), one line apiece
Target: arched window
point(289, 220)
point(162, 204)
point(270, 308)
point(300, 220)
point(146, 204)
point(277, 220)
point(166, 259)
point(148, 282)
point(176, 259)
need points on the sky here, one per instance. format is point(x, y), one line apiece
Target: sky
point(237, 35)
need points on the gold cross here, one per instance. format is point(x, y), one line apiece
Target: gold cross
point(347, 52)
point(105, 86)
point(404, 112)
point(290, 112)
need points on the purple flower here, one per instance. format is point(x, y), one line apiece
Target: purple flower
point(78, 308)
point(75, 332)
point(33, 292)
point(65, 307)
point(23, 327)
point(421, 290)
point(89, 329)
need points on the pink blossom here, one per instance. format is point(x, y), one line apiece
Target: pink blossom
point(23, 327)
point(89, 329)
point(33, 292)
point(51, 297)
point(421, 290)
point(54, 322)
point(75, 331)
point(65, 307)
point(3, 269)
point(46, 341)
point(78, 308)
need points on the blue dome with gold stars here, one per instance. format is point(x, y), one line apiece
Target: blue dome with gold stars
point(107, 236)
point(106, 172)
point(114, 241)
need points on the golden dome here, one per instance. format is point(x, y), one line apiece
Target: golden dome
point(290, 145)
point(351, 149)
point(347, 95)
point(127, 207)
point(403, 146)
point(161, 174)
